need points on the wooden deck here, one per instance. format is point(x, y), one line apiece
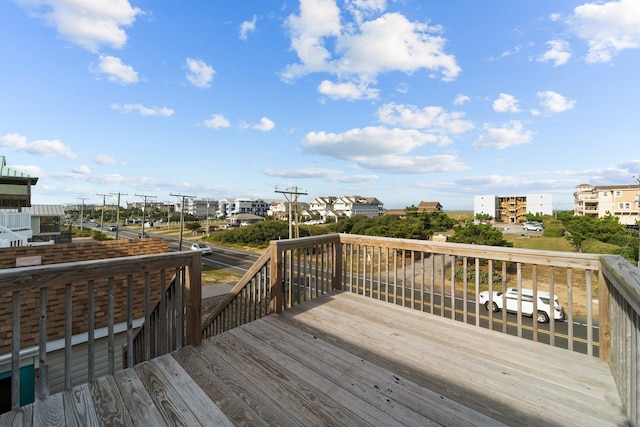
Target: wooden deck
point(345, 359)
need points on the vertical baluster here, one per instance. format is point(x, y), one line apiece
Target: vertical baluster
point(91, 332)
point(465, 290)
point(68, 330)
point(589, 302)
point(477, 289)
point(110, 338)
point(413, 279)
point(569, 307)
point(43, 384)
point(552, 325)
point(147, 317)
point(130, 349)
point(453, 286)
point(15, 350)
point(534, 277)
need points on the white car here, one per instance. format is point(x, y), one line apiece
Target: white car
point(532, 227)
point(206, 250)
point(544, 310)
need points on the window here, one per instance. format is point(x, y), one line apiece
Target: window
point(618, 193)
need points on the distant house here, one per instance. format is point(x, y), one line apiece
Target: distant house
point(45, 222)
point(21, 223)
point(350, 206)
point(422, 207)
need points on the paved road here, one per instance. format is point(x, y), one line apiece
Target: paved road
point(231, 260)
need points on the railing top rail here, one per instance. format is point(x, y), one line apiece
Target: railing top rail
point(551, 258)
point(303, 242)
point(22, 278)
point(624, 276)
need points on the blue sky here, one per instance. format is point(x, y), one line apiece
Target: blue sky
point(406, 100)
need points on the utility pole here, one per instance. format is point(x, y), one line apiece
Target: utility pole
point(168, 203)
point(182, 196)
point(82, 213)
point(104, 196)
point(118, 211)
point(144, 207)
point(292, 198)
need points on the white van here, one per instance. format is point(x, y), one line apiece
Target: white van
point(544, 310)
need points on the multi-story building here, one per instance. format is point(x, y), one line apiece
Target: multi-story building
point(622, 201)
point(513, 209)
point(227, 208)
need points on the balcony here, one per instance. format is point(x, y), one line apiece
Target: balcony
point(343, 329)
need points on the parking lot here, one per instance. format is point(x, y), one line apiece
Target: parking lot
point(515, 229)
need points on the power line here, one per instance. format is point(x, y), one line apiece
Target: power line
point(292, 198)
point(118, 211)
point(182, 196)
point(144, 208)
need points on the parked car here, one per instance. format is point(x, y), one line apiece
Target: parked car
point(206, 250)
point(143, 235)
point(544, 310)
point(532, 226)
point(112, 228)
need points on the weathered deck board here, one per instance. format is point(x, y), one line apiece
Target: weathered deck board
point(344, 359)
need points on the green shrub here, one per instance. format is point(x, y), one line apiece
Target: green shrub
point(471, 275)
point(554, 228)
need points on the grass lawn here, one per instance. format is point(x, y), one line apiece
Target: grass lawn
point(213, 275)
point(541, 243)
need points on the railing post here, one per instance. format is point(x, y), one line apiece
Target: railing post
point(193, 287)
point(336, 279)
point(604, 301)
point(275, 302)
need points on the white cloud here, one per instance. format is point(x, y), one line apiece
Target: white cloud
point(349, 91)
point(365, 48)
point(360, 9)
point(42, 147)
point(434, 119)
point(30, 170)
point(461, 99)
point(509, 134)
point(144, 111)
point(412, 165)
point(553, 102)
point(506, 104)
point(217, 121)
point(200, 74)
point(331, 175)
point(116, 71)
point(358, 144)
point(558, 53)
point(82, 170)
point(265, 125)
point(89, 24)
point(104, 160)
point(247, 27)
point(608, 28)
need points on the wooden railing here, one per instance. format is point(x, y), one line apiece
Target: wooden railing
point(28, 291)
point(600, 294)
point(288, 273)
point(620, 329)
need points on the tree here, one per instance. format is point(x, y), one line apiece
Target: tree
point(479, 234)
point(194, 226)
